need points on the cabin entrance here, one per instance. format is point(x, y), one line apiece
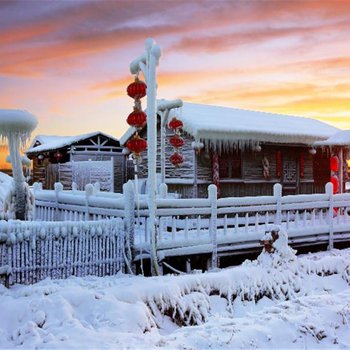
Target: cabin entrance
point(289, 174)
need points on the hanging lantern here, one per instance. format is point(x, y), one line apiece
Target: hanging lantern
point(175, 124)
point(334, 163)
point(335, 181)
point(137, 145)
point(58, 156)
point(137, 89)
point(176, 141)
point(301, 164)
point(176, 159)
point(137, 119)
point(278, 164)
point(41, 157)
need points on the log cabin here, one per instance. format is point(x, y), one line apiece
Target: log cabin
point(67, 159)
point(244, 152)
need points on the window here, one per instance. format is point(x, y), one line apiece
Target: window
point(230, 165)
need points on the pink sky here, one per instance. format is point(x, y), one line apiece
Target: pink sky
point(68, 61)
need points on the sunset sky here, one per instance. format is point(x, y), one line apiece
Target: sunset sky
point(67, 62)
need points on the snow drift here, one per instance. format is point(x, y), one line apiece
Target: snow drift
point(276, 300)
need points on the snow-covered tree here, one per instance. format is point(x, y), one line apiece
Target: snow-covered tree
point(16, 127)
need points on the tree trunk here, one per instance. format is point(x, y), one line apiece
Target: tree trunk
point(18, 177)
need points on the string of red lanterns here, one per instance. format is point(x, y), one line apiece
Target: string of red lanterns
point(137, 118)
point(177, 142)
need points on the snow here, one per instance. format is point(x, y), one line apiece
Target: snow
point(51, 142)
point(341, 138)
point(225, 126)
point(298, 302)
point(6, 196)
point(214, 124)
point(16, 121)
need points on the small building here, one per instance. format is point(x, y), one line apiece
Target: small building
point(87, 158)
point(244, 152)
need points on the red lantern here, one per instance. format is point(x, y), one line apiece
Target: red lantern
point(137, 89)
point(278, 164)
point(335, 181)
point(175, 124)
point(137, 145)
point(301, 164)
point(334, 163)
point(176, 141)
point(137, 119)
point(177, 159)
point(58, 156)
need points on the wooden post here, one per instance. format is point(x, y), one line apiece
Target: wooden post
point(277, 193)
point(129, 210)
point(58, 188)
point(329, 192)
point(212, 196)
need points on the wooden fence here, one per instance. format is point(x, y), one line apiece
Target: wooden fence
point(32, 251)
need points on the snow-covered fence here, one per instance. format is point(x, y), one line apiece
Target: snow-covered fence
point(32, 251)
point(91, 204)
point(205, 225)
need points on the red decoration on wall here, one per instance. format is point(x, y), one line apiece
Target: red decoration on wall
point(175, 124)
point(137, 145)
point(278, 164)
point(335, 181)
point(216, 172)
point(301, 164)
point(176, 141)
point(58, 156)
point(177, 159)
point(137, 89)
point(137, 119)
point(334, 163)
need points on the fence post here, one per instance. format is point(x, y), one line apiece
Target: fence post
point(89, 191)
point(129, 213)
point(329, 192)
point(277, 193)
point(37, 186)
point(58, 188)
point(213, 199)
point(163, 193)
point(163, 190)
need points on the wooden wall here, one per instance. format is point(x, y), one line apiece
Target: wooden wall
point(251, 182)
point(47, 173)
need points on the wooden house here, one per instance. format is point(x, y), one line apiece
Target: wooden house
point(244, 152)
point(81, 159)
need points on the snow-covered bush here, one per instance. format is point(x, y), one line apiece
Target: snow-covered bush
point(8, 198)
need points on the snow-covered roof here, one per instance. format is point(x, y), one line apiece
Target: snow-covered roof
point(213, 124)
point(51, 142)
point(224, 126)
point(341, 138)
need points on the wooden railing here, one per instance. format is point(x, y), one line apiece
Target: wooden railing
point(206, 225)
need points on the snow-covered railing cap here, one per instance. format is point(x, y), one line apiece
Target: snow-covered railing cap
point(163, 104)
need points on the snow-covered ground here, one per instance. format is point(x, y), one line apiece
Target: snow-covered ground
point(278, 301)
point(6, 193)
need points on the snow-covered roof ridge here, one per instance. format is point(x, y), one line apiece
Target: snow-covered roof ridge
point(50, 142)
point(217, 123)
